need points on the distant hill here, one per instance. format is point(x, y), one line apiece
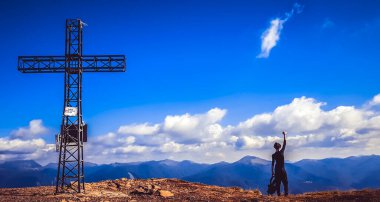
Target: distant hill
point(352, 172)
point(144, 170)
point(249, 173)
point(252, 172)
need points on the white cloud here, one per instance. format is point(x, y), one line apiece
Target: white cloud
point(271, 35)
point(20, 146)
point(181, 123)
point(303, 114)
point(127, 140)
point(34, 130)
point(139, 129)
point(374, 102)
point(127, 149)
point(313, 133)
point(297, 8)
point(171, 147)
point(177, 134)
point(37, 149)
point(250, 142)
point(307, 122)
point(193, 128)
point(26, 143)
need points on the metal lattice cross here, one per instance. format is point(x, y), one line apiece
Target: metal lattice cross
point(70, 174)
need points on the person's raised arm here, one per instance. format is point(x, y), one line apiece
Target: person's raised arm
point(284, 144)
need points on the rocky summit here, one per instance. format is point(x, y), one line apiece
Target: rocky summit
point(172, 190)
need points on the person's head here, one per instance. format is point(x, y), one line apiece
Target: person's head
point(277, 146)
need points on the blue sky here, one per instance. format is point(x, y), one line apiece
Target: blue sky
point(190, 57)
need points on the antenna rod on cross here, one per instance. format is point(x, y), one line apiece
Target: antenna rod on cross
point(73, 133)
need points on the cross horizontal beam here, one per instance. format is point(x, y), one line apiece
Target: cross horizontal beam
point(56, 64)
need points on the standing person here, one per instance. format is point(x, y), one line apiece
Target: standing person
point(279, 172)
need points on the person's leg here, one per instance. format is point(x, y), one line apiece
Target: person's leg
point(285, 182)
point(278, 183)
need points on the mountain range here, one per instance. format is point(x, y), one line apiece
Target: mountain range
point(249, 173)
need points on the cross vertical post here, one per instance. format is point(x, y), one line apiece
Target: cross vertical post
point(70, 164)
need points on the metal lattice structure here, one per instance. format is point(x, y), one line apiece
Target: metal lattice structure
point(70, 174)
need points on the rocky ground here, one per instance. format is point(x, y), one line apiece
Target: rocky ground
point(172, 190)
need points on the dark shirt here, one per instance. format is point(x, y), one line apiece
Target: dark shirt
point(278, 157)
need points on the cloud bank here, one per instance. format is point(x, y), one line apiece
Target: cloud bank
point(271, 35)
point(27, 143)
point(313, 133)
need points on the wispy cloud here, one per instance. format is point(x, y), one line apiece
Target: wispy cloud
point(271, 35)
